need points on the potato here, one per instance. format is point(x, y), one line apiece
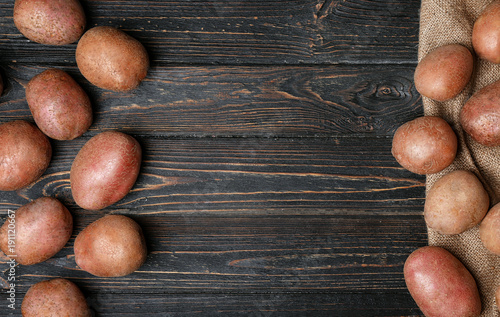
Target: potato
point(489, 230)
point(440, 284)
point(60, 107)
point(38, 229)
point(480, 115)
point(425, 145)
point(111, 246)
point(54, 22)
point(444, 72)
point(25, 154)
point(497, 298)
point(105, 170)
point(55, 297)
point(486, 33)
point(455, 203)
point(111, 59)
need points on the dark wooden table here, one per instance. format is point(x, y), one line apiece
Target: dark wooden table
point(267, 187)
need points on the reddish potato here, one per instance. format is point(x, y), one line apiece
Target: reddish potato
point(111, 246)
point(105, 170)
point(440, 284)
point(489, 230)
point(486, 33)
point(497, 298)
point(56, 297)
point(425, 145)
point(480, 116)
point(39, 229)
point(54, 22)
point(60, 107)
point(456, 203)
point(24, 155)
point(111, 59)
point(444, 72)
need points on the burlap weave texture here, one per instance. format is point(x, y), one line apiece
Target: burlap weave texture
point(445, 22)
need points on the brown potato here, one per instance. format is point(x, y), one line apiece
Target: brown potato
point(54, 22)
point(60, 107)
point(444, 72)
point(486, 33)
point(24, 155)
point(480, 116)
point(497, 298)
point(111, 246)
point(440, 284)
point(455, 203)
point(425, 145)
point(38, 229)
point(111, 59)
point(56, 297)
point(105, 170)
point(489, 230)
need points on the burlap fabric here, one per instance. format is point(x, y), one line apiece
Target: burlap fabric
point(445, 22)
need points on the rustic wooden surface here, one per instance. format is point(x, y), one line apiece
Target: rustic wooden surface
point(267, 187)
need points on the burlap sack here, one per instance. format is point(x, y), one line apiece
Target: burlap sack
point(451, 21)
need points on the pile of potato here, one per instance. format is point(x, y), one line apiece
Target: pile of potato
point(102, 173)
point(439, 283)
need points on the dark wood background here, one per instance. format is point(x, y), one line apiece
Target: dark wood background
point(267, 187)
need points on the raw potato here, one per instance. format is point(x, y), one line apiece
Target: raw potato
point(60, 107)
point(480, 116)
point(56, 297)
point(111, 246)
point(111, 59)
point(440, 284)
point(105, 170)
point(444, 72)
point(489, 230)
point(39, 229)
point(24, 155)
point(54, 22)
point(455, 203)
point(425, 145)
point(486, 33)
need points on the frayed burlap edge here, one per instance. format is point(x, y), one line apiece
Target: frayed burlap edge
point(445, 22)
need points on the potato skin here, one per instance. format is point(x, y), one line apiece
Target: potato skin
point(50, 22)
point(60, 107)
point(455, 203)
point(55, 297)
point(425, 145)
point(105, 170)
point(111, 246)
point(486, 33)
point(111, 59)
point(489, 230)
point(25, 154)
point(444, 72)
point(440, 284)
point(480, 115)
point(42, 228)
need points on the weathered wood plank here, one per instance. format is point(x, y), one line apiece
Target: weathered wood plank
point(232, 175)
point(242, 101)
point(255, 254)
point(243, 32)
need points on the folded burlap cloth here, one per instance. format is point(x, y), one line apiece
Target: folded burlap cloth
point(445, 22)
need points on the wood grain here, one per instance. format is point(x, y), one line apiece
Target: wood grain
point(267, 187)
point(243, 32)
point(244, 101)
